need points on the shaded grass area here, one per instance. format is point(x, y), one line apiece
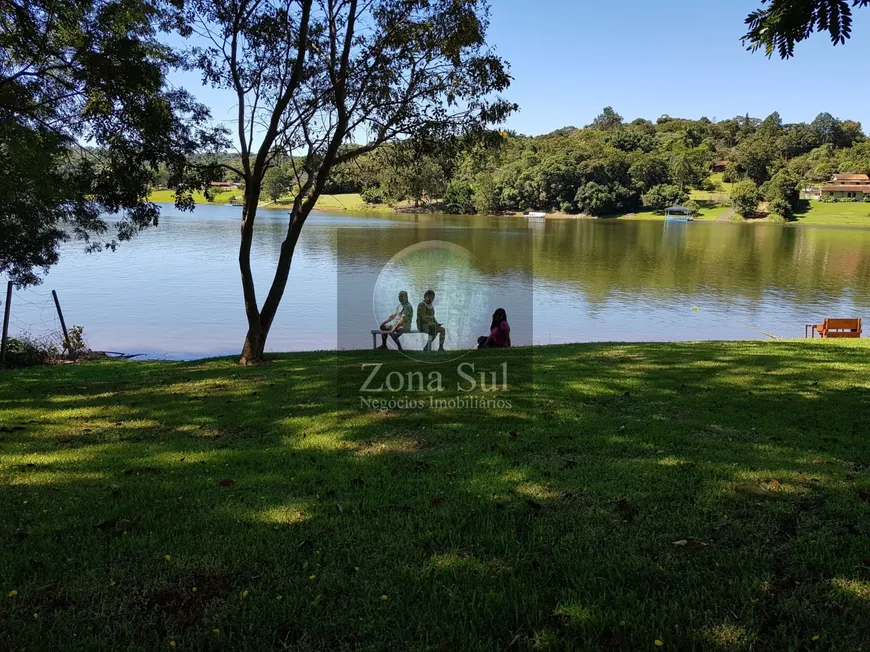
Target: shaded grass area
point(550, 525)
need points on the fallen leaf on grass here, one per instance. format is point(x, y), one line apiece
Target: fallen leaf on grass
point(754, 490)
point(775, 483)
point(437, 501)
point(227, 482)
point(690, 544)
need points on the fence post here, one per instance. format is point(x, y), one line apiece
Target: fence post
point(62, 322)
point(6, 310)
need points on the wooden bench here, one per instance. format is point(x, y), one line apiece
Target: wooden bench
point(835, 328)
point(377, 332)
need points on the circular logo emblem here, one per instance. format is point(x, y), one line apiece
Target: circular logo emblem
point(461, 306)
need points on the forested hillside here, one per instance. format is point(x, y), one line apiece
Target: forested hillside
point(609, 167)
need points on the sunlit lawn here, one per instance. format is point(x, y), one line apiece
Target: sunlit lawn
point(841, 213)
point(168, 196)
point(706, 212)
point(553, 525)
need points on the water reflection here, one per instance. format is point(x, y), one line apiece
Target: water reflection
point(174, 291)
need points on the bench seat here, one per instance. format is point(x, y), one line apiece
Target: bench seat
point(836, 328)
point(377, 331)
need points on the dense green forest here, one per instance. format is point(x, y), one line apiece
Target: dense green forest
point(609, 167)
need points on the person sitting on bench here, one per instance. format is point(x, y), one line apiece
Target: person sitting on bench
point(426, 321)
point(399, 322)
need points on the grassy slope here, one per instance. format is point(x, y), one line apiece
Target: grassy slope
point(841, 214)
point(451, 533)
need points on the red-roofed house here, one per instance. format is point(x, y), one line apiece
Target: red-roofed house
point(850, 179)
point(847, 186)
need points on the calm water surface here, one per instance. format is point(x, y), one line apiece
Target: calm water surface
point(174, 291)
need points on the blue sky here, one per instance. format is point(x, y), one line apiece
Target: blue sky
point(569, 59)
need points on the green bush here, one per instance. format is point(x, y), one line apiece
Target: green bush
point(663, 195)
point(486, 195)
point(28, 350)
point(458, 198)
point(781, 207)
point(77, 344)
point(785, 185)
point(744, 198)
point(373, 195)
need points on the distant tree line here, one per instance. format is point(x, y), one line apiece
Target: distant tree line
point(607, 167)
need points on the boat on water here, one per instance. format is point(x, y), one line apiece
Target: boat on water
point(679, 214)
point(535, 215)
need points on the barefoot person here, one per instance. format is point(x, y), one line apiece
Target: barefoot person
point(426, 321)
point(399, 322)
point(499, 332)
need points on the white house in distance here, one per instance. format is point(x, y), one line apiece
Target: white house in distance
point(846, 186)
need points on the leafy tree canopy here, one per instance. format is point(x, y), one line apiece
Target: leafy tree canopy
point(780, 24)
point(87, 122)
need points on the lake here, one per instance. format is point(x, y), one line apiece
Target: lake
point(174, 291)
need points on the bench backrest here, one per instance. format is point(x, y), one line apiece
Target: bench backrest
point(843, 327)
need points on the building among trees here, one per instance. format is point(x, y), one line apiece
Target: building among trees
point(847, 186)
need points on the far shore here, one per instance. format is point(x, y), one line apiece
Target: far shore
point(814, 213)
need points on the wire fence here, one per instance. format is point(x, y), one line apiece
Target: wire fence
point(33, 318)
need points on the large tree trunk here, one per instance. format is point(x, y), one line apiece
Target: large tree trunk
point(254, 347)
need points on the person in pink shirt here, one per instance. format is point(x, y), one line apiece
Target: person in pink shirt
point(499, 332)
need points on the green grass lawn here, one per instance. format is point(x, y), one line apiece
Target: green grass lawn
point(718, 196)
point(706, 212)
point(203, 506)
point(219, 198)
point(839, 214)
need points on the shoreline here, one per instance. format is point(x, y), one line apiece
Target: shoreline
point(843, 214)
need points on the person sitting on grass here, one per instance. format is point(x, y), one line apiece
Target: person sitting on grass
point(499, 332)
point(399, 322)
point(426, 321)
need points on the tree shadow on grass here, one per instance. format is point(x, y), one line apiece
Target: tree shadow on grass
point(305, 524)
